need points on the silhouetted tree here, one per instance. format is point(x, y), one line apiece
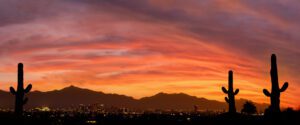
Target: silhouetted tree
point(249, 108)
point(275, 91)
point(19, 94)
point(289, 110)
point(230, 99)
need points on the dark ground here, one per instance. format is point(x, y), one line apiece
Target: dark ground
point(61, 118)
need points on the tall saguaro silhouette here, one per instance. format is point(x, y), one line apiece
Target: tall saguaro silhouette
point(275, 90)
point(19, 94)
point(230, 99)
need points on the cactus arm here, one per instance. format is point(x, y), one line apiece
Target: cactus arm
point(12, 90)
point(226, 99)
point(266, 92)
point(284, 87)
point(25, 101)
point(224, 90)
point(236, 91)
point(28, 88)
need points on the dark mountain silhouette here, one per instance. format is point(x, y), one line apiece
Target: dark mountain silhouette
point(180, 101)
point(73, 96)
point(7, 99)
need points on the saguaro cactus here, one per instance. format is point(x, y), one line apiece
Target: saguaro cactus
point(275, 91)
point(230, 99)
point(19, 94)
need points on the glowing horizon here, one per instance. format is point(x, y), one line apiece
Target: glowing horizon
point(142, 47)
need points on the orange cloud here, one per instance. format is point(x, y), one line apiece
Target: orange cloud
point(144, 47)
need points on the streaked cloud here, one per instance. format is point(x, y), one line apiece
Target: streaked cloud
point(141, 47)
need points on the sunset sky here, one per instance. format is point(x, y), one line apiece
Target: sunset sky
point(142, 47)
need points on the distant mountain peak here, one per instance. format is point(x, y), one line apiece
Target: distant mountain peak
point(160, 93)
point(76, 89)
point(171, 94)
point(71, 87)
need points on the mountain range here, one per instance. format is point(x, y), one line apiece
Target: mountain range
point(74, 96)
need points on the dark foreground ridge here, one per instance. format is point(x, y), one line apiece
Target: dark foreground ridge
point(288, 117)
